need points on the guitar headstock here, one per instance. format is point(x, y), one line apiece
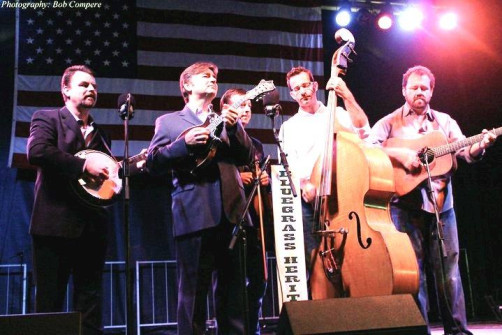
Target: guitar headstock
point(341, 57)
point(263, 87)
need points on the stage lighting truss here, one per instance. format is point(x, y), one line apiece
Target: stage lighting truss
point(410, 15)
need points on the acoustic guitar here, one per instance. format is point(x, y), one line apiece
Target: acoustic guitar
point(434, 148)
point(203, 154)
point(99, 192)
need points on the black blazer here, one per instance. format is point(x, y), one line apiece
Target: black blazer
point(55, 138)
point(197, 201)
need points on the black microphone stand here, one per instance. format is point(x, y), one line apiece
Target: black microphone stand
point(438, 231)
point(126, 115)
point(240, 233)
point(426, 156)
point(271, 112)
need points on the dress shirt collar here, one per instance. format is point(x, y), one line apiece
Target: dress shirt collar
point(407, 111)
point(90, 121)
point(200, 113)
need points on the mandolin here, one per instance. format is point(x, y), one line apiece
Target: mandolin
point(203, 154)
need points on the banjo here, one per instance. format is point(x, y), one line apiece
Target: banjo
point(99, 192)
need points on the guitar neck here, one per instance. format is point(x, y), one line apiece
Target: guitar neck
point(452, 147)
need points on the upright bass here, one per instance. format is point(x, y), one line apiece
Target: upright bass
point(361, 253)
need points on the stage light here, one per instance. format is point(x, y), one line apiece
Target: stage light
point(448, 21)
point(385, 19)
point(343, 17)
point(384, 22)
point(411, 18)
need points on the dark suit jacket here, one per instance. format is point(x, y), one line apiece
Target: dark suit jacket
point(55, 137)
point(197, 201)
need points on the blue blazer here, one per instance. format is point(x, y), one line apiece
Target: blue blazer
point(198, 202)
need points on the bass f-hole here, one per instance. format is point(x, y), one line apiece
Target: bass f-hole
point(359, 234)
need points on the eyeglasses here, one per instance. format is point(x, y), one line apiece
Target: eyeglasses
point(304, 85)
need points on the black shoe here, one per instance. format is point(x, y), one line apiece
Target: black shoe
point(462, 332)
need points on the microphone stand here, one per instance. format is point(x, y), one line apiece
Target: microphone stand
point(271, 112)
point(126, 116)
point(426, 157)
point(239, 232)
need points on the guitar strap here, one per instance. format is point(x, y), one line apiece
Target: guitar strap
point(434, 117)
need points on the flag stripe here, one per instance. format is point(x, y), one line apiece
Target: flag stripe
point(260, 9)
point(231, 48)
point(139, 132)
point(212, 16)
point(20, 160)
point(233, 34)
point(276, 68)
point(150, 87)
point(109, 101)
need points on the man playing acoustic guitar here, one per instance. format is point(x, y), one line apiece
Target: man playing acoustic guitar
point(413, 213)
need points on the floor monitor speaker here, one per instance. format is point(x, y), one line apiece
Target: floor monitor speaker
point(41, 324)
point(393, 314)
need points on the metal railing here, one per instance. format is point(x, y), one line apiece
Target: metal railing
point(13, 298)
point(156, 285)
point(155, 294)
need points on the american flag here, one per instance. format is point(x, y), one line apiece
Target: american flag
point(142, 47)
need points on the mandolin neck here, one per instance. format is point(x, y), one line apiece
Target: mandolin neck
point(217, 120)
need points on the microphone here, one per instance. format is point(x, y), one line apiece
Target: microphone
point(125, 104)
point(271, 104)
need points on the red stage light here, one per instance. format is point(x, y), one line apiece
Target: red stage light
point(385, 21)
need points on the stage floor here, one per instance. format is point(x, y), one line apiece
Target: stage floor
point(477, 328)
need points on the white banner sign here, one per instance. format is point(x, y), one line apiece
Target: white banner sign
point(289, 245)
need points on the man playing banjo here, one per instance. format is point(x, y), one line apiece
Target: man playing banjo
point(68, 236)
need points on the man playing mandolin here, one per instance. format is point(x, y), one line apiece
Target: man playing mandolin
point(413, 213)
point(68, 237)
point(206, 203)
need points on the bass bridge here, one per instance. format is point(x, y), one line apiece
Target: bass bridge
point(332, 256)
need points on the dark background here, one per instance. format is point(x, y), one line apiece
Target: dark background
point(467, 64)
